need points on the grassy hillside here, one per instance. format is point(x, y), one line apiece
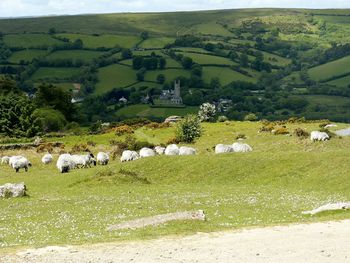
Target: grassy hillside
point(282, 177)
point(281, 52)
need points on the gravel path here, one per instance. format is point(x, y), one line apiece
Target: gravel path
point(319, 242)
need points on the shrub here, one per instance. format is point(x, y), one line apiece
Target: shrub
point(250, 117)
point(50, 119)
point(188, 129)
point(47, 147)
point(173, 140)
point(299, 132)
point(129, 143)
point(80, 148)
point(267, 128)
point(281, 131)
point(91, 143)
point(124, 129)
point(207, 112)
point(96, 127)
point(222, 119)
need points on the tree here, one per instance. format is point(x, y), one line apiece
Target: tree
point(126, 53)
point(161, 78)
point(243, 60)
point(50, 96)
point(250, 117)
point(78, 44)
point(215, 83)
point(186, 62)
point(137, 62)
point(197, 70)
point(162, 63)
point(144, 35)
point(188, 129)
point(52, 31)
point(140, 74)
point(50, 119)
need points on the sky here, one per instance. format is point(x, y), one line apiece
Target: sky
point(16, 8)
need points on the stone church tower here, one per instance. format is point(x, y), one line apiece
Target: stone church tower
point(177, 93)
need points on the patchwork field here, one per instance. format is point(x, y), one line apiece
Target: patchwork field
point(26, 55)
point(170, 74)
point(107, 41)
point(226, 75)
point(203, 59)
point(159, 42)
point(45, 73)
point(341, 82)
point(30, 41)
point(114, 76)
point(83, 55)
point(282, 177)
point(331, 69)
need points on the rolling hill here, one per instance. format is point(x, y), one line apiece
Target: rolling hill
point(284, 50)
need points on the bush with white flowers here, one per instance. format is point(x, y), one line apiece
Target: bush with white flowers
point(207, 112)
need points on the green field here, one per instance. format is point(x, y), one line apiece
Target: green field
point(114, 76)
point(159, 42)
point(282, 177)
point(341, 82)
point(107, 41)
point(170, 74)
point(203, 59)
point(276, 60)
point(83, 55)
point(146, 111)
point(30, 41)
point(45, 73)
point(331, 69)
point(226, 75)
point(212, 28)
point(26, 55)
point(332, 101)
point(193, 49)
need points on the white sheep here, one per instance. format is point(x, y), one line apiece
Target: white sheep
point(241, 147)
point(102, 158)
point(65, 163)
point(222, 148)
point(47, 158)
point(319, 136)
point(172, 149)
point(184, 150)
point(147, 152)
point(129, 156)
point(19, 162)
point(159, 150)
point(5, 159)
point(84, 160)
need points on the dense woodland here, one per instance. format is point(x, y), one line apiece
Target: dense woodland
point(273, 63)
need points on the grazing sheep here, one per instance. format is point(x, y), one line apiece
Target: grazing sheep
point(19, 162)
point(159, 150)
point(319, 136)
point(184, 150)
point(241, 147)
point(222, 148)
point(147, 152)
point(102, 158)
point(47, 158)
point(129, 156)
point(5, 159)
point(172, 149)
point(84, 160)
point(65, 163)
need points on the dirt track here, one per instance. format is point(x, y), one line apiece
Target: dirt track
point(319, 242)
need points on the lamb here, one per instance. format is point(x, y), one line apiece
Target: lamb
point(319, 136)
point(65, 163)
point(222, 148)
point(47, 158)
point(84, 160)
point(172, 149)
point(129, 156)
point(102, 158)
point(241, 147)
point(159, 150)
point(184, 150)
point(19, 162)
point(5, 159)
point(147, 152)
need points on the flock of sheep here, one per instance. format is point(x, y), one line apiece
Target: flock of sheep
point(67, 162)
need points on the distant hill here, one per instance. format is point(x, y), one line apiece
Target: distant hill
point(280, 55)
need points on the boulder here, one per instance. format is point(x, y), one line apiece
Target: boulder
point(12, 190)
